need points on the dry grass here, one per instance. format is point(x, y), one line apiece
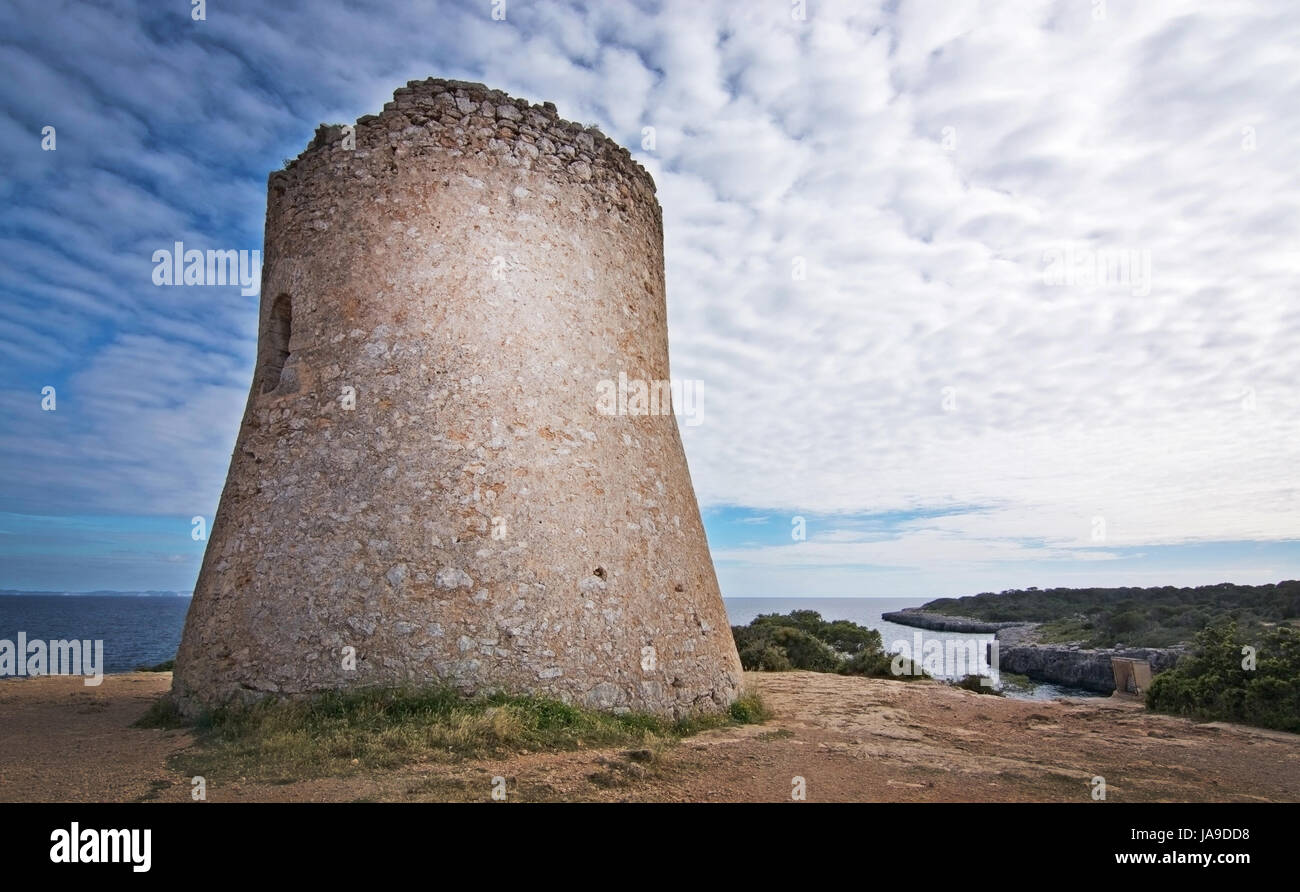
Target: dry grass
point(343, 733)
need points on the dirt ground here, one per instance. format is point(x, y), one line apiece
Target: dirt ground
point(850, 739)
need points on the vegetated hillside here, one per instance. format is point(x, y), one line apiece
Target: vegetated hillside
point(1138, 617)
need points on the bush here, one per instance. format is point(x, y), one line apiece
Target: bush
point(1126, 622)
point(805, 651)
point(1212, 683)
point(801, 639)
point(749, 709)
point(875, 664)
point(973, 683)
point(764, 656)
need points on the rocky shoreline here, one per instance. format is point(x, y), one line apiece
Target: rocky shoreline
point(937, 622)
point(1063, 664)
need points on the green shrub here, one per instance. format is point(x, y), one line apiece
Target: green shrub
point(1126, 622)
point(875, 664)
point(749, 709)
point(1212, 682)
point(764, 656)
point(973, 683)
point(805, 651)
point(801, 639)
point(166, 666)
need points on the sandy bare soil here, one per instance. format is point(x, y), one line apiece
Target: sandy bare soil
point(850, 739)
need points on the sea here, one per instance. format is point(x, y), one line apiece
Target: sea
point(144, 629)
point(137, 629)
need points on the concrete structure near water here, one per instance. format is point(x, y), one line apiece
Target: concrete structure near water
point(1132, 677)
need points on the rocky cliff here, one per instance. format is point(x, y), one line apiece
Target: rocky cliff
point(1019, 652)
point(1075, 667)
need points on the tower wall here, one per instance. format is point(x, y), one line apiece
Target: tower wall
point(469, 272)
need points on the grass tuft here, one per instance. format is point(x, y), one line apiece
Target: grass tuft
point(749, 709)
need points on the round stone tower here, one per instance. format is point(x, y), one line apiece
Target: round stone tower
point(435, 479)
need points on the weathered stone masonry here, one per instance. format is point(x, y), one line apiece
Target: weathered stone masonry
point(469, 270)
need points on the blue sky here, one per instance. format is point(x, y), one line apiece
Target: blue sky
point(945, 415)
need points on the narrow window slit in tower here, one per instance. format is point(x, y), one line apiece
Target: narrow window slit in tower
point(277, 348)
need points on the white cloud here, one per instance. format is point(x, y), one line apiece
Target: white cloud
point(1173, 415)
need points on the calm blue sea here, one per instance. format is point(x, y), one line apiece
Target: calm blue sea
point(146, 630)
point(136, 630)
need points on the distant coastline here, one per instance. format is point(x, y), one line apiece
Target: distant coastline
point(918, 618)
point(102, 593)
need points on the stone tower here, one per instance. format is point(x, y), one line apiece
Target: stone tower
point(425, 485)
